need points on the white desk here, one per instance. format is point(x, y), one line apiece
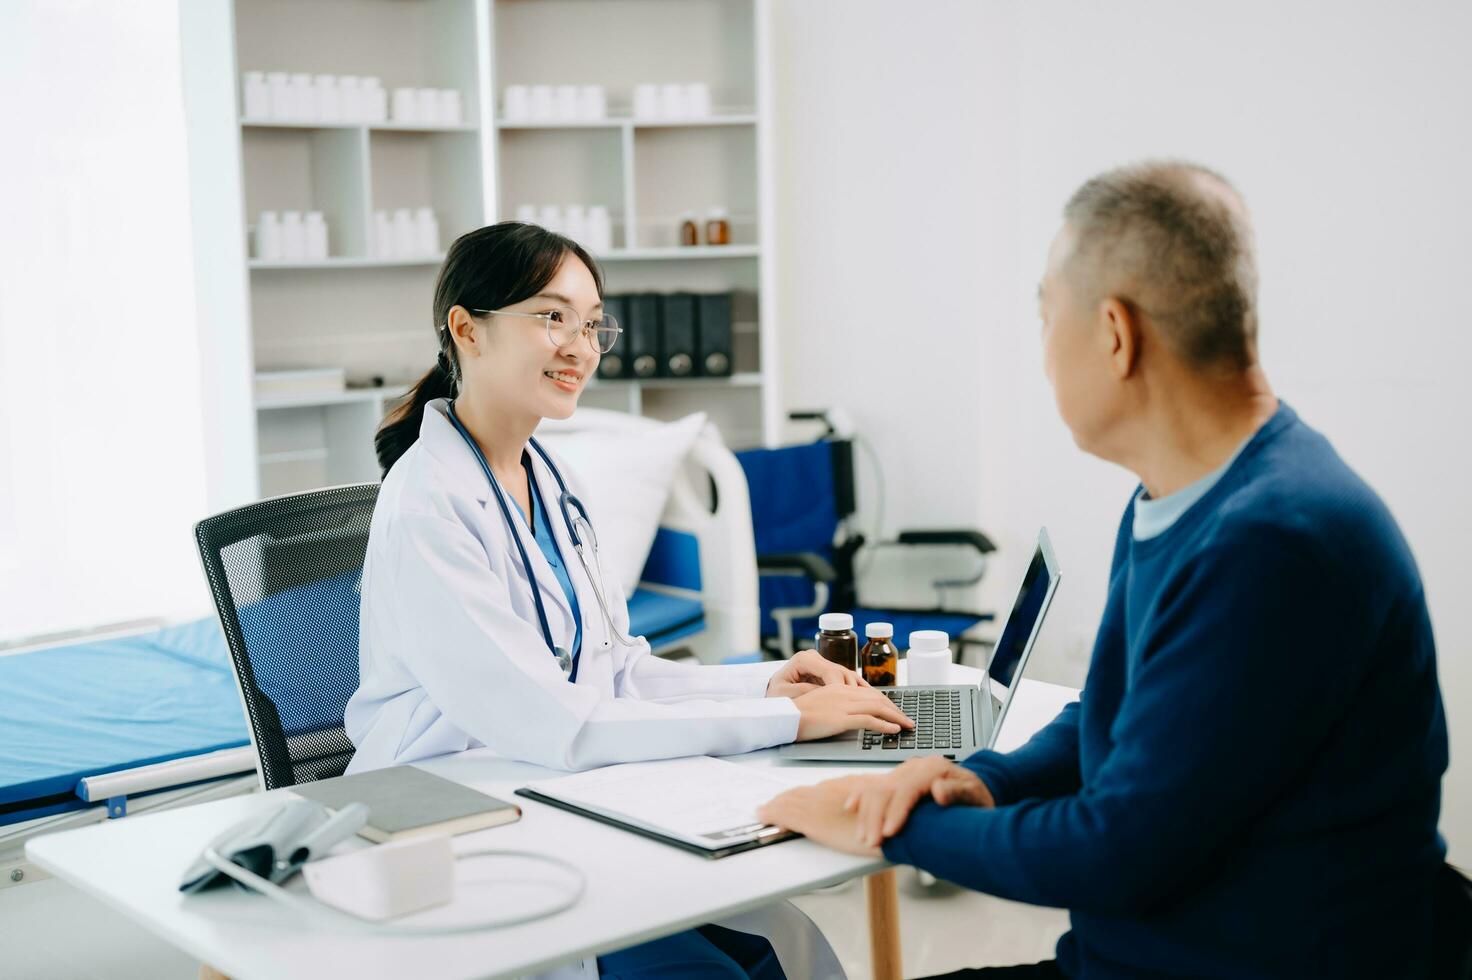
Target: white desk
point(638, 889)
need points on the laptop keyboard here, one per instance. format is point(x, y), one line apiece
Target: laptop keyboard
point(937, 717)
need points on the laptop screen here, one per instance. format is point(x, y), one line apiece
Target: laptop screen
point(1027, 611)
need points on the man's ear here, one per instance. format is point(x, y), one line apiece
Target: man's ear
point(1121, 336)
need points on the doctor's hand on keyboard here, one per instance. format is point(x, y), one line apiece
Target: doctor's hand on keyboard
point(832, 709)
point(807, 671)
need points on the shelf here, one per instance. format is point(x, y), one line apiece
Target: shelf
point(745, 379)
point(348, 396)
point(343, 262)
point(616, 122)
point(734, 119)
point(383, 127)
point(292, 456)
point(564, 124)
point(680, 252)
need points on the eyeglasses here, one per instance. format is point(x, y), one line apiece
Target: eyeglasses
point(564, 326)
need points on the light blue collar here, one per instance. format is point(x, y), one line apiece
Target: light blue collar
point(1154, 517)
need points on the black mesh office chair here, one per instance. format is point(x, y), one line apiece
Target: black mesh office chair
point(285, 578)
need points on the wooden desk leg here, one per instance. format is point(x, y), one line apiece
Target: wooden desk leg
point(882, 893)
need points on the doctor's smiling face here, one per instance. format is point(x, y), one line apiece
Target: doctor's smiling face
point(532, 358)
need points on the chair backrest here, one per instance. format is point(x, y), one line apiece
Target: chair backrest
point(285, 574)
point(813, 521)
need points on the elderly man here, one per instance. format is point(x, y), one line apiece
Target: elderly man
point(1250, 781)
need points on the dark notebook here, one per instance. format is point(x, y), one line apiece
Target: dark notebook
point(407, 802)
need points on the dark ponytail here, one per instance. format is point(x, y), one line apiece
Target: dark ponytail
point(486, 269)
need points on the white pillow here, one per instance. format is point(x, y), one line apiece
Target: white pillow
point(625, 468)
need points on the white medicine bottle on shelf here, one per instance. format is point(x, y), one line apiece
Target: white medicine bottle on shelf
point(646, 101)
point(293, 236)
point(575, 223)
point(329, 100)
point(428, 102)
point(517, 106)
point(592, 103)
point(257, 96)
point(672, 101)
point(549, 216)
point(406, 106)
point(697, 100)
point(543, 103)
point(375, 100)
point(451, 110)
point(303, 98)
point(268, 237)
point(404, 239)
point(278, 84)
point(600, 230)
point(350, 97)
point(426, 232)
point(383, 235)
point(316, 231)
point(565, 102)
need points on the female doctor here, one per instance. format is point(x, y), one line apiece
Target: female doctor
point(480, 624)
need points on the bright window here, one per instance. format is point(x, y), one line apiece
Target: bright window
point(102, 470)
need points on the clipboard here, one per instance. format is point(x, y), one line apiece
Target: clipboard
point(633, 828)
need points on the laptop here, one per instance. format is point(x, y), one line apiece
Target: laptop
point(955, 720)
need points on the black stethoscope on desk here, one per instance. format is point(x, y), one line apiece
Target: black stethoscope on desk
point(579, 531)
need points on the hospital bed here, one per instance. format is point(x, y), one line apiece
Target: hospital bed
point(96, 730)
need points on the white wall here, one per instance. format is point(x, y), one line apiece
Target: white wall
point(101, 469)
point(894, 128)
point(1344, 124)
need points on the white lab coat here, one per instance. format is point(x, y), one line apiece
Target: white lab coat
point(451, 654)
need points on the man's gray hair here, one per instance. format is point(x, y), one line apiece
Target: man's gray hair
point(1172, 241)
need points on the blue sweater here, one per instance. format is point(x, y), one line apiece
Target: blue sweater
point(1250, 781)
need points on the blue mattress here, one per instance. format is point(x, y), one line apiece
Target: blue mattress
point(77, 711)
point(70, 712)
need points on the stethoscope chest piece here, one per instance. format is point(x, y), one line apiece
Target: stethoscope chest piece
point(564, 659)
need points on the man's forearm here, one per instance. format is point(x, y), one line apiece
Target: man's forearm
point(1046, 767)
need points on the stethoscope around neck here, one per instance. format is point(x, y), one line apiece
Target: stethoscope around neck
point(579, 531)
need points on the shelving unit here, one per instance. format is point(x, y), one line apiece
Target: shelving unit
point(647, 172)
point(369, 315)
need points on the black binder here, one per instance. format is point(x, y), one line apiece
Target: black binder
point(616, 363)
point(643, 334)
point(714, 355)
point(677, 336)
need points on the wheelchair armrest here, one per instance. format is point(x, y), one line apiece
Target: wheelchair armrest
point(957, 536)
point(807, 563)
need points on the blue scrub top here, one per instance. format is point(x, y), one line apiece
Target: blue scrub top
point(542, 531)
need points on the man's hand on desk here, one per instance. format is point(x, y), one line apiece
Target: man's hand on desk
point(857, 813)
point(807, 671)
point(817, 812)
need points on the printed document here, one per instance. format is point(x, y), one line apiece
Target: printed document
point(707, 802)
